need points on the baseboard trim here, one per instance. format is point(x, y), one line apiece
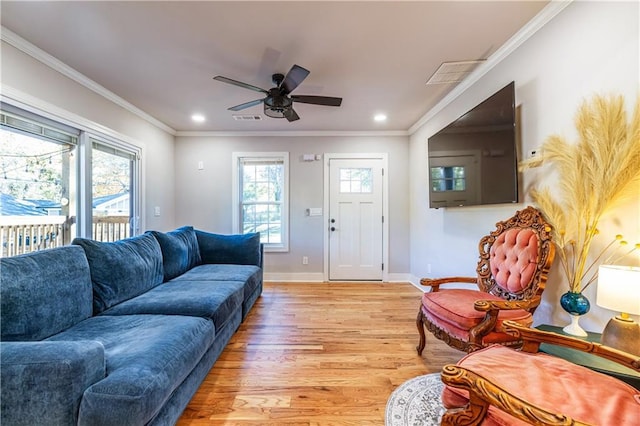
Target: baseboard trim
point(319, 277)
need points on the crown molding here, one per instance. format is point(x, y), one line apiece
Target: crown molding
point(286, 133)
point(35, 105)
point(538, 22)
point(38, 54)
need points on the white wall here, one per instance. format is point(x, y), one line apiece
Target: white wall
point(589, 48)
point(39, 85)
point(203, 197)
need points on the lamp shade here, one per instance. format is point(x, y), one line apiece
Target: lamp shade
point(619, 288)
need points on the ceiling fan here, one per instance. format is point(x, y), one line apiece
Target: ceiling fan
point(278, 102)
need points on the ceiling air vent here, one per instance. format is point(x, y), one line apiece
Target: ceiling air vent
point(241, 117)
point(453, 72)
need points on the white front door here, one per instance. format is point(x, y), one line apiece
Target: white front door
point(355, 219)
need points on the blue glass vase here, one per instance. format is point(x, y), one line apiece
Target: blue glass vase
point(576, 304)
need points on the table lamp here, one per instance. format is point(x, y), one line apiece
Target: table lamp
point(619, 290)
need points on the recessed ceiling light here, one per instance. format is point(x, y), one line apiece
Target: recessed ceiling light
point(198, 118)
point(380, 117)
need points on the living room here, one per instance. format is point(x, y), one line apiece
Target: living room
point(577, 50)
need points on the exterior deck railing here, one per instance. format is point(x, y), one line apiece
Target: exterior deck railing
point(110, 228)
point(25, 234)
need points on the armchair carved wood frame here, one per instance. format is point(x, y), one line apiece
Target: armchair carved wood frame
point(499, 385)
point(511, 275)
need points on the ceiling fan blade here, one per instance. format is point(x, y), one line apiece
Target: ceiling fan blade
point(239, 83)
point(294, 77)
point(246, 105)
point(317, 100)
point(291, 115)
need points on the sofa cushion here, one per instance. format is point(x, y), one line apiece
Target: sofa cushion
point(147, 358)
point(249, 274)
point(180, 250)
point(43, 293)
point(216, 300)
point(122, 269)
point(232, 249)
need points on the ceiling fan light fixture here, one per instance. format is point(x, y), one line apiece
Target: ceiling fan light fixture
point(274, 112)
point(277, 106)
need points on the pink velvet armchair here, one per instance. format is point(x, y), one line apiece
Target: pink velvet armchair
point(511, 275)
point(503, 386)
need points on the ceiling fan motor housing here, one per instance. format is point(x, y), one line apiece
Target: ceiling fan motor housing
point(277, 79)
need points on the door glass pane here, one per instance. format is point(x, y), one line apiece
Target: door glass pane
point(37, 204)
point(356, 180)
point(111, 174)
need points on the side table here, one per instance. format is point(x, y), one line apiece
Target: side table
point(593, 362)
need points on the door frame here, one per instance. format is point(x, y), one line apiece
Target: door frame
point(385, 206)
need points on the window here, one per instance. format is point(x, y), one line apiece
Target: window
point(261, 197)
point(113, 194)
point(52, 175)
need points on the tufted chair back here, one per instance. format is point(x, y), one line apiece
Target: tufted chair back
point(515, 257)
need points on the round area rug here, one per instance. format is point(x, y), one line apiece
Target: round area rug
point(416, 402)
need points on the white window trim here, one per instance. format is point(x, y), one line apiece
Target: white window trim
point(87, 129)
point(235, 180)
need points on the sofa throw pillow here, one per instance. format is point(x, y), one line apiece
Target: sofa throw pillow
point(122, 269)
point(43, 293)
point(230, 249)
point(180, 251)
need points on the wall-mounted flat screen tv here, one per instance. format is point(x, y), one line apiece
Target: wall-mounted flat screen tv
point(473, 160)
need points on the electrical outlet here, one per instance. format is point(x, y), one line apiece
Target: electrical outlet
point(305, 260)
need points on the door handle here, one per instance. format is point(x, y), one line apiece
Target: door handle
point(333, 221)
point(333, 228)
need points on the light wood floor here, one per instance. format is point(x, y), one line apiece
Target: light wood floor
point(318, 354)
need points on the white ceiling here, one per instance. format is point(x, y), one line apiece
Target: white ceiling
point(161, 56)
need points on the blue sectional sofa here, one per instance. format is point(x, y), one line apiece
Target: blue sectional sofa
point(120, 333)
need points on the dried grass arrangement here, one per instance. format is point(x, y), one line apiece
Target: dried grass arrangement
point(594, 174)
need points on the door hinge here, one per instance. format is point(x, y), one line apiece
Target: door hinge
point(382, 219)
point(383, 266)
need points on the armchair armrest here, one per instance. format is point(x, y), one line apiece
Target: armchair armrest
point(483, 392)
point(43, 382)
point(435, 283)
point(533, 338)
point(489, 305)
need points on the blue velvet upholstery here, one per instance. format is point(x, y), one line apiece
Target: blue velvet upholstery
point(56, 375)
point(216, 300)
point(233, 249)
point(31, 306)
point(180, 250)
point(122, 269)
point(172, 410)
point(147, 357)
point(142, 355)
point(250, 275)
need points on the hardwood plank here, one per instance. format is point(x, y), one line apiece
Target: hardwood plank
point(317, 354)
